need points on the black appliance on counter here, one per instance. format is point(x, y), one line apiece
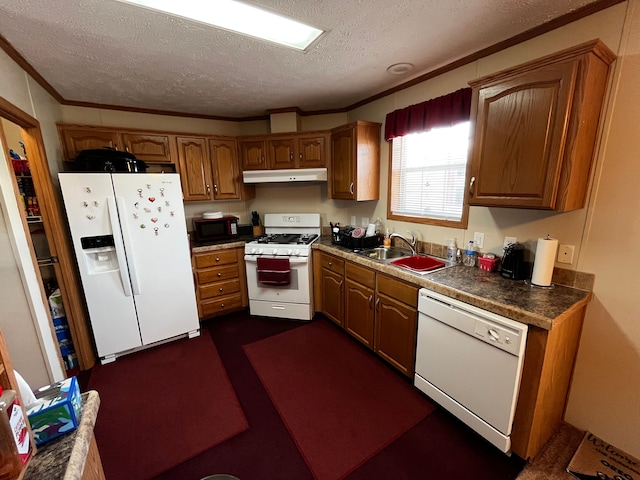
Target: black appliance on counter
point(343, 237)
point(513, 264)
point(108, 160)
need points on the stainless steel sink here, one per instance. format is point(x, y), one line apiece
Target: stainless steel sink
point(382, 253)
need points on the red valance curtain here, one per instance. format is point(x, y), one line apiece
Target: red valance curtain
point(442, 111)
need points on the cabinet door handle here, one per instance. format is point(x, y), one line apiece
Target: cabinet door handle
point(471, 182)
point(377, 305)
point(300, 157)
point(215, 188)
point(351, 188)
point(341, 282)
point(208, 189)
point(370, 301)
point(291, 156)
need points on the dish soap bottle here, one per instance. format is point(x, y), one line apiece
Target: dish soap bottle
point(470, 255)
point(451, 250)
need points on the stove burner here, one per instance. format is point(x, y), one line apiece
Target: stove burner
point(288, 238)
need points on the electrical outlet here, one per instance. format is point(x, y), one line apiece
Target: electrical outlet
point(353, 220)
point(508, 240)
point(565, 254)
point(478, 239)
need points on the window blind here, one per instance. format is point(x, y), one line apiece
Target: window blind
point(428, 173)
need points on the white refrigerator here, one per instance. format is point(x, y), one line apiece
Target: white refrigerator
point(130, 239)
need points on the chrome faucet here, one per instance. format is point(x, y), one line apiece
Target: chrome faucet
point(411, 243)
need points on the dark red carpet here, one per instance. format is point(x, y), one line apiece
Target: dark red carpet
point(163, 406)
point(341, 405)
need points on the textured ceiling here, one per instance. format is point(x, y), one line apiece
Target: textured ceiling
point(107, 52)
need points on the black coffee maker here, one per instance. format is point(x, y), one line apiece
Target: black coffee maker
point(513, 265)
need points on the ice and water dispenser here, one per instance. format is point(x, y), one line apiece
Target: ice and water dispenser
point(99, 254)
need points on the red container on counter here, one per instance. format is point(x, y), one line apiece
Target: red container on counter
point(488, 263)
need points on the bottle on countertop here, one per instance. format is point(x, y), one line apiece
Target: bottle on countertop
point(470, 255)
point(13, 434)
point(451, 250)
point(387, 238)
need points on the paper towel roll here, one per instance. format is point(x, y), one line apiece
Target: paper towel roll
point(544, 261)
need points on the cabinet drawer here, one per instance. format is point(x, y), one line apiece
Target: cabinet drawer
point(362, 275)
point(225, 272)
point(221, 304)
point(401, 291)
point(221, 257)
point(219, 289)
point(334, 264)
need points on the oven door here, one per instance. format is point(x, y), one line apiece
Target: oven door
point(297, 291)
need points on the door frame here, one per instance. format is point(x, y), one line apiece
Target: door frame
point(54, 224)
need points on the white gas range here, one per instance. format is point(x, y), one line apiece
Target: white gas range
point(279, 266)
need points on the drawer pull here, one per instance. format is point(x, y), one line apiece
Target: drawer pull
point(220, 288)
point(217, 259)
point(219, 274)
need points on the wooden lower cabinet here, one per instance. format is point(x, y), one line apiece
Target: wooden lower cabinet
point(396, 323)
point(221, 281)
point(381, 313)
point(330, 296)
point(359, 303)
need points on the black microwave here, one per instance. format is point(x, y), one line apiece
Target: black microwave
point(208, 229)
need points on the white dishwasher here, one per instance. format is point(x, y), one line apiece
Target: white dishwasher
point(469, 361)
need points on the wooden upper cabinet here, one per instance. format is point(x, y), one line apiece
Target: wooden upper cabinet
point(226, 174)
point(74, 140)
point(355, 162)
point(281, 152)
point(535, 130)
point(148, 147)
point(253, 154)
point(288, 150)
point(312, 150)
point(195, 169)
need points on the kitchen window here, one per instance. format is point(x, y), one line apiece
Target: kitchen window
point(428, 176)
point(428, 160)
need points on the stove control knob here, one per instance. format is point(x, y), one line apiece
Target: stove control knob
point(260, 251)
point(289, 252)
point(253, 251)
point(296, 251)
point(275, 251)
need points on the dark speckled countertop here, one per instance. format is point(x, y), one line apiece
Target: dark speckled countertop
point(64, 457)
point(515, 299)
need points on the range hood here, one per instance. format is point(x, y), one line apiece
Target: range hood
point(285, 175)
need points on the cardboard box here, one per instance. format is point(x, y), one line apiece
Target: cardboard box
point(57, 410)
point(598, 460)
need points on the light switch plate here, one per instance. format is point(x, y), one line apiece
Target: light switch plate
point(508, 240)
point(365, 221)
point(353, 220)
point(478, 239)
point(565, 254)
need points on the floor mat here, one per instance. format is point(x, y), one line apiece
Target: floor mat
point(162, 406)
point(328, 392)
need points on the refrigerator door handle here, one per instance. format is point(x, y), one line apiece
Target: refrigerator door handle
point(122, 264)
point(135, 283)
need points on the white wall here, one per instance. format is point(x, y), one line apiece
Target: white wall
point(605, 395)
point(24, 319)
